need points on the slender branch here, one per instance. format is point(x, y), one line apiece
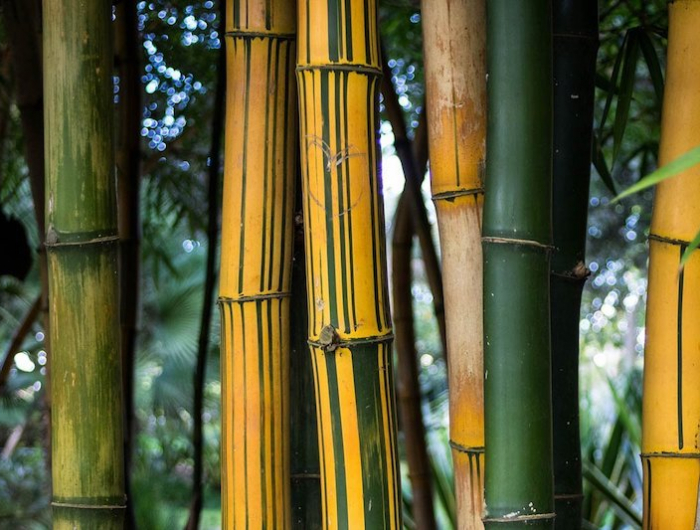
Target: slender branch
point(414, 177)
point(212, 233)
point(408, 386)
point(128, 162)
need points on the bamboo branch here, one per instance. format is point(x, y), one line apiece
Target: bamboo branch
point(128, 163)
point(204, 331)
point(17, 339)
point(408, 386)
point(413, 158)
point(419, 218)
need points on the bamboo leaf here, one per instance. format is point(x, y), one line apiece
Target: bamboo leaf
point(443, 485)
point(673, 168)
point(688, 251)
point(621, 504)
point(652, 60)
point(624, 100)
point(613, 83)
point(601, 166)
point(623, 411)
point(604, 83)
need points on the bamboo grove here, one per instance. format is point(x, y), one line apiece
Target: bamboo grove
point(313, 425)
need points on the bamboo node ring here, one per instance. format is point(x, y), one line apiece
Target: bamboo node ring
point(516, 516)
point(464, 449)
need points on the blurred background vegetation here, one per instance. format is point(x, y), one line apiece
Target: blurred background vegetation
point(179, 46)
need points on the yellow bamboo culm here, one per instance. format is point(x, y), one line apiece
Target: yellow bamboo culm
point(256, 251)
point(671, 407)
point(349, 325)
point(454, 41)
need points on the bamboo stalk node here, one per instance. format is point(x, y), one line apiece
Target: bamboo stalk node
point(79, 506)
point(517, 517)
point(467, 450)
point(254, 297)
point(517, 242)
point(356, 68)
point(451, 195)
point(305, 476)
point(564, 496)
point(668, 240)
point(669, 454)
point(239, 34)
point(340, 342)
point(52, 240)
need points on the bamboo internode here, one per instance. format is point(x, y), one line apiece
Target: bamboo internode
point(81, 239)
point(349, 325)
point(257, 224)
point(671, 407)
point(454, 41)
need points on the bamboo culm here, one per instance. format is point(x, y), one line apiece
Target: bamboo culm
point(256, 258)
point(575, 24)
point(82, 243)
point(350, 336)
point(671, 401)
point(516, 245)
point(454, 41)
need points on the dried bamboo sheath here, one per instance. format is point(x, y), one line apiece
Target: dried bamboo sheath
point(671, 407)
point(87, 451)
point(454, 40)
point(260, 154)
point(349, 324)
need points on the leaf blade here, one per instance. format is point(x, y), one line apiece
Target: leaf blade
point(686, 161)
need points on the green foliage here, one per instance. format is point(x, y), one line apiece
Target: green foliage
point(23, 494)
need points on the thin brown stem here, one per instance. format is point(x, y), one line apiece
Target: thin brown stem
point(408, 385)
point(212, 233)
point(414, 178)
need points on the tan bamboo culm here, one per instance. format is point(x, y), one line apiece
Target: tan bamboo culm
point(454, 40)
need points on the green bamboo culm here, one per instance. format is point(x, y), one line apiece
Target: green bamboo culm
point(575, 24)
point(82, 239)
point(516, 244)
